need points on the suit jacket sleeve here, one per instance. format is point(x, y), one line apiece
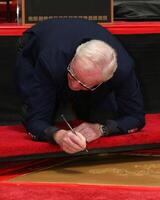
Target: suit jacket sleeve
point(130, 105)
point(38, 91)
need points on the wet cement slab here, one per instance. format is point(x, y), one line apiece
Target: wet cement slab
point(100, 169)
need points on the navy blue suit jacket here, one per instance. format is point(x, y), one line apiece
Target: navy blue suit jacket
point(42, 74)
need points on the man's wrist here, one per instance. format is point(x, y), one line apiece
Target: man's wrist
point(110, 128)
point(58, 135)
point(104, 130)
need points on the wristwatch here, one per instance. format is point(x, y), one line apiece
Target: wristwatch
point(104, 130)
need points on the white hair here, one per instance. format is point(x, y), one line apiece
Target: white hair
point(100, 54)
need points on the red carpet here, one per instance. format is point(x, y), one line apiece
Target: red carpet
point(15, 142)
point(125, 28)
point(36, 191)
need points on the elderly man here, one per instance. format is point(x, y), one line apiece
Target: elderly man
point(78, 62)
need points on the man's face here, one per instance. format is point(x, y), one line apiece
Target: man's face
point(80, 78)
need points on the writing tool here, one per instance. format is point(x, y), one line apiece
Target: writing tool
point(70, 127)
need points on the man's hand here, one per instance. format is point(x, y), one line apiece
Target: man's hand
point(70, 142)
point(89, 131)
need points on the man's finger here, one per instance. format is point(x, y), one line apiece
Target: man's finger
point(82, 137)
point(68, 149)
point(75, 143)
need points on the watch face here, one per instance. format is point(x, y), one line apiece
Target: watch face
point(105, 130)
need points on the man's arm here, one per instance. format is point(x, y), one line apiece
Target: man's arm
point(130, 113)
point(130, 105)
point(39, 95)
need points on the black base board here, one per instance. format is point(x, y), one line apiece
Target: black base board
point(90, 152)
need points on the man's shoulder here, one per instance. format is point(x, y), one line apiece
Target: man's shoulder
point(123, 73)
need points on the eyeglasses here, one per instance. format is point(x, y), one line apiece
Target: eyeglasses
point(82, 84)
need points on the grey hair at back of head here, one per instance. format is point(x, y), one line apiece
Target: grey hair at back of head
point(100, 54)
